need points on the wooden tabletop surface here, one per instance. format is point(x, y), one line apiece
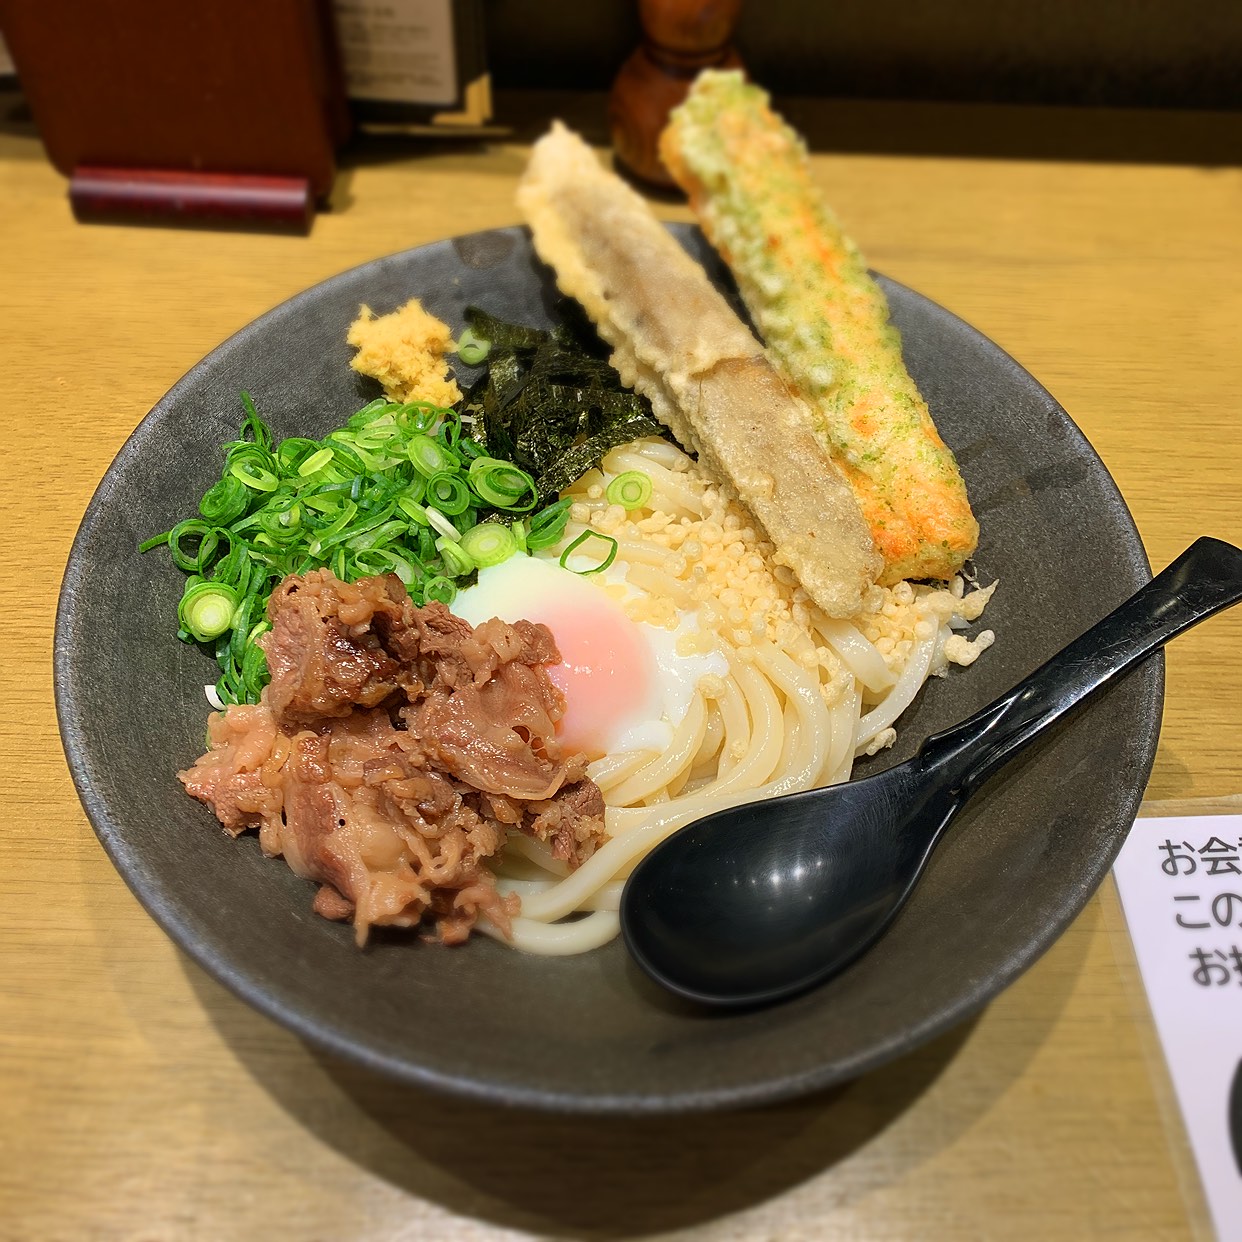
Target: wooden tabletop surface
point(140, 1100)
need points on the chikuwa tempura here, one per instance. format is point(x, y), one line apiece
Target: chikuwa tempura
point(677, 341)
point(824, 320)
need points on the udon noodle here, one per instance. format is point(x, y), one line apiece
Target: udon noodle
point(804, 697)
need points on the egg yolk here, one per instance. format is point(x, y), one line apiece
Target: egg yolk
point(607, 671)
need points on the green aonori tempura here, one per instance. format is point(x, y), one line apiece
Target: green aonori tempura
point(824, 320)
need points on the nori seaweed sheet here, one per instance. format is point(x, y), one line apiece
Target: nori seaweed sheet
point(550, 402)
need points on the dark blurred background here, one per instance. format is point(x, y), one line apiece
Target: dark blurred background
point(1123, 53)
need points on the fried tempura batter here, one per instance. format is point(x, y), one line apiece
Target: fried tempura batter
point(677, 340)
point(824, 319)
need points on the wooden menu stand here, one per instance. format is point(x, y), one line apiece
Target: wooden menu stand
point(220, 114)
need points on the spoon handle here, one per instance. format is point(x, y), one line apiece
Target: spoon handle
point(1206, 578)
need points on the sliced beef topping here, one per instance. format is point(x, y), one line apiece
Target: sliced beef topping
point(570, 821)
point(392, 752)
point(323, 656)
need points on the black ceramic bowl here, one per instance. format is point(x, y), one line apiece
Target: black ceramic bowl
point(590, 1033)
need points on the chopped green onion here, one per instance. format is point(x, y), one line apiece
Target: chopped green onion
point(154, 542)
point(450, 432)
point(241, 626)
point(489, 543)
point(352, 445)
point(208, 541)
point(344, 458)
point(380, 534)
point(235, 569)
point(328, 499)
point(518, 531)
point(441, 589)
point(291, 453)
point(328, 536)
point(282, 524)
point(418, 416)
point(259, 431)
point(254, 476)
point(400, 566)
point(502, 484)
point(413, 510)
point(370, 412)
point(472, 349)
point(426, 542)
point(206, 610)
point(315, 462)
point(630, 490)
point(448, 493)
point(442, 524)
point(583, 538)
point(548, 525)
point(456, 560)
point(225, 501)
point(429, 457)
point(182, 557)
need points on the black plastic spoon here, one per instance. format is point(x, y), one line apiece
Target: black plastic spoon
point(756, 903)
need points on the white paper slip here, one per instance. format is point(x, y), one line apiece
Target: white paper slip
point(1180, 882)
point(398, 51)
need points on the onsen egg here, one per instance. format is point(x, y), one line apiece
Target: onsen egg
point(626, 687)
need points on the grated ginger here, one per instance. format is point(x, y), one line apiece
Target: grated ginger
point(405, 351)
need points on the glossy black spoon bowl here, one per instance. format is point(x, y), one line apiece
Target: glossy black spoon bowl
point(759, 902)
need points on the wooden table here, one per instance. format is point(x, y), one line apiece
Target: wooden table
point(141, 1101)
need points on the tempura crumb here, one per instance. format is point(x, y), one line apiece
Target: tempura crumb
point(882, 741)
point(958, 649)
point(405, 351)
